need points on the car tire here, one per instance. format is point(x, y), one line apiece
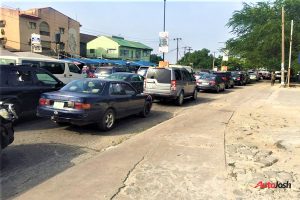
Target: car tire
point(107, 121)
point(61, 123)
point(218, 89)
point(195, 94)
point(180, 98)
point(146, 109)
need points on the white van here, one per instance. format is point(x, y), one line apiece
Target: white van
point(64, 70)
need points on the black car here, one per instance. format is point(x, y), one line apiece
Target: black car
point(239, 78)
point(210, 82)
point(23, 85)
point(99, 101)
point(227, 77)
point(136, 80)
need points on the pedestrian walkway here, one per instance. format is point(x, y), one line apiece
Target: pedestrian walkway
point(182, 158)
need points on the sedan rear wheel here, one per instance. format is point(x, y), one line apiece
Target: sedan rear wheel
point(107, 121)
point(146, 109)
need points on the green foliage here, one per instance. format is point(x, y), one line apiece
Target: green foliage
point(258, 33)
point(200, 59)
point(155, 58)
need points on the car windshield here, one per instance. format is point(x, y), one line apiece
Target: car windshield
point(204, 75)
point(104, 70)
point(85, 86)
point(117, 76)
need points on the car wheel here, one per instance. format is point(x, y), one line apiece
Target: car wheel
point(218, 89)
point(61, 123)
point(146, 109)
point(107, 121)
point(179, 100)
point(194, 97)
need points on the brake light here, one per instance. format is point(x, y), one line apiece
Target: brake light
point(82, 106)
point(212, 82)
point(238, 78)
point(44, 102)
point(224, 78)
point(173, 85)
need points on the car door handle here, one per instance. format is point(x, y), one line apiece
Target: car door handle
point(70, 75)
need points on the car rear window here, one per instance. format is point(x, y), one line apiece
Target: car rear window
point(104, 70)
point(85, 86)
point(161, 75)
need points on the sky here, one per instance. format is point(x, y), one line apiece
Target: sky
point(200, 24)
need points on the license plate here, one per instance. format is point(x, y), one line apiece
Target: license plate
point(58, 105)
point(204, 83)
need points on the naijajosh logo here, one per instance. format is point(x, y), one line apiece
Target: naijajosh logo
point(269, 185)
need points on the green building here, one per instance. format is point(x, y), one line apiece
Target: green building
point(117, 48)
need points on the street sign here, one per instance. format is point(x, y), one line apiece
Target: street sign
point(35, 38)
point(163, 42)
point(37, 48)
point(225, 55)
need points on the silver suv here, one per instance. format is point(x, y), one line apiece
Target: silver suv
point(170, 83)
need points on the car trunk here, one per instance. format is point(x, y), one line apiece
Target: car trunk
point(158, 81)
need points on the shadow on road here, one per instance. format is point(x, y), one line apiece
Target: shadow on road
point(25, 166)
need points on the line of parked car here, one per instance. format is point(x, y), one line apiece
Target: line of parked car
point(111, 95)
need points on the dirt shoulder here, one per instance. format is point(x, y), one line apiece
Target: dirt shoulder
point(263, 144)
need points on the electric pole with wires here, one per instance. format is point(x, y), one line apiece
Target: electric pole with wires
point(177, 39)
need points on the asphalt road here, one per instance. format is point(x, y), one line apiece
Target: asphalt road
point(42, 149)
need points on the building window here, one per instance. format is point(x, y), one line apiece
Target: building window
point(61, 30)
point(32, 25)
point(44, 29)
point(46, 45)
point(146, 53)
point(138, 54)
point(124, 53)
point(92, 50)
point(111, 51)
point(2, 23)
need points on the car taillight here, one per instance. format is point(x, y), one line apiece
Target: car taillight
point(212, 82)
point(224, 78)
point(44, 102)
point(82, 106)
point(173, 84)
point(238, 78)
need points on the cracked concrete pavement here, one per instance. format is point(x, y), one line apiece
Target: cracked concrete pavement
point(184, 157)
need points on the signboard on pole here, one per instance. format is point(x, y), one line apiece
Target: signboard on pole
point(37, 48)
point(163, 42)
point(35, 38)
point(225, 55)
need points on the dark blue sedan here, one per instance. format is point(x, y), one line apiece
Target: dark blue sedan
point(88, 101)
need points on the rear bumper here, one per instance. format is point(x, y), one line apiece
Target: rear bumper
point(80, 117)
point(161, 95)
point(207, 87)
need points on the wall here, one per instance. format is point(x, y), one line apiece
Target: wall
point(102, 46)
point(11, 29)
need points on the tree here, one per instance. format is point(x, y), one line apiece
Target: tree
point(257, 29)
point(201, 59)
point(154, 58)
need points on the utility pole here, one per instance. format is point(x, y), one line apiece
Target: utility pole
point(164, 24)
point(214, 60)
point(290, 53)
point(189, 49)
point(177, 39)
point(282, 47)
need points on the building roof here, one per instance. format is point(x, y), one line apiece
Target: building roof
point(85, 38)
point(32, 55)
point(126, 43)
